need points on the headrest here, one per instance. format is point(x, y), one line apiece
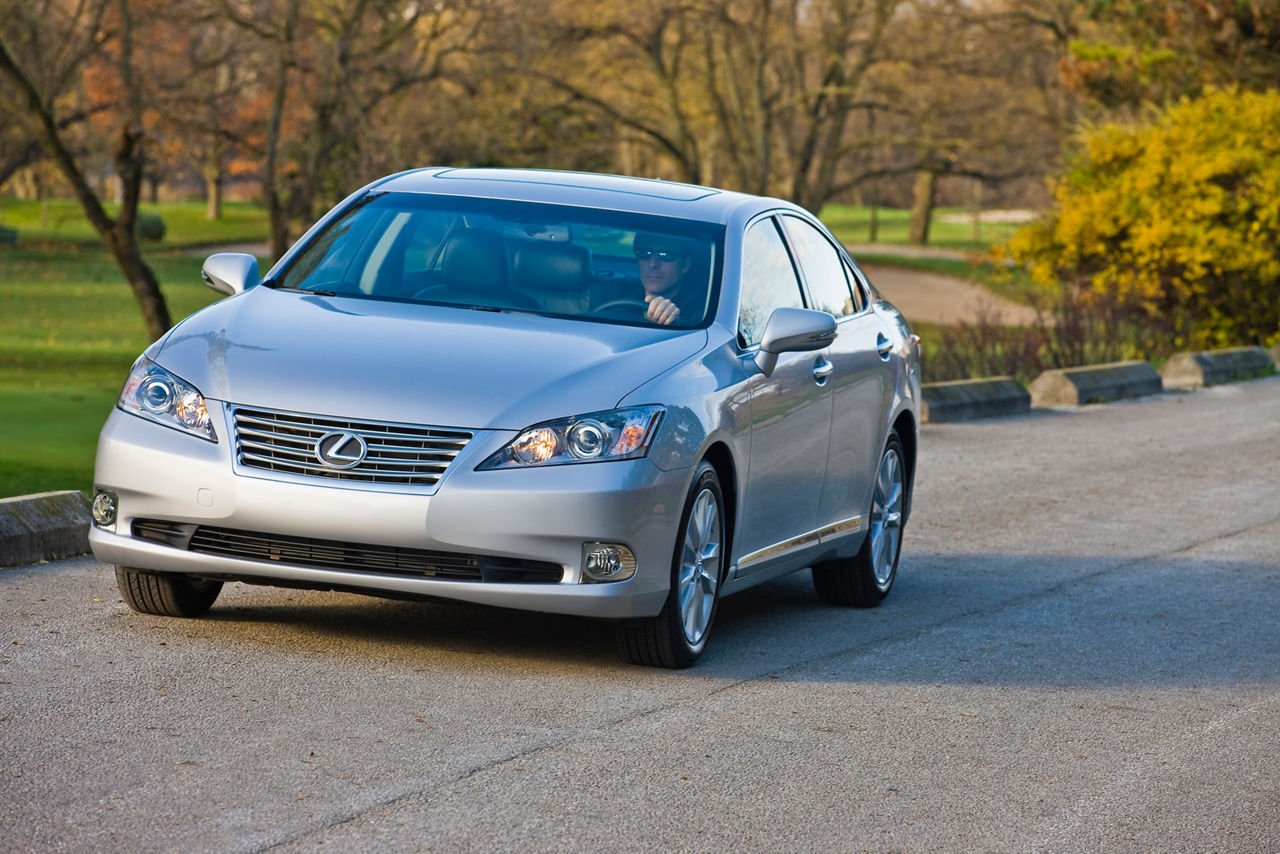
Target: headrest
point(541, 265)
point(475, 261)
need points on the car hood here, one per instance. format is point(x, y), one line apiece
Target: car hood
point(390, 361)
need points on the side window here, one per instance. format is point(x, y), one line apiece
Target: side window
point(861, 295)
point(768, 280)
point(823, 268)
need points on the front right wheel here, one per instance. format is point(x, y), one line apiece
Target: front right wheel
point(678, 635)
point(864, 579)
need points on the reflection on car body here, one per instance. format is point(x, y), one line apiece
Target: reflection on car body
point(467, 384)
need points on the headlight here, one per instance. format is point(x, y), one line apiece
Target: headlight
point(620, 434)
point(153, 393)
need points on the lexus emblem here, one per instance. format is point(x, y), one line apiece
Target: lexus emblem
point(341, 449)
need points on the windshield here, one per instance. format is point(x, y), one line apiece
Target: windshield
point(586, 263)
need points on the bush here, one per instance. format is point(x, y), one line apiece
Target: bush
point(1174, 226)
point(150, 226)
point(983, 347)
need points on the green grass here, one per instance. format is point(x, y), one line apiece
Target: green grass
point(61, 221)
point(69, 330)
point(852, 224)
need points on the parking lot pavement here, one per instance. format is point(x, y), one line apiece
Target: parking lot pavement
point(1081, 653)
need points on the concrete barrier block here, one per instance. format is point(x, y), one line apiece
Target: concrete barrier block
point(1094, 384)
point(43, 527)
point(965, 400)
point(1211, 367)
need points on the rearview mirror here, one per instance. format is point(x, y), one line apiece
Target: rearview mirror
point(794, 330)
point(230, 272)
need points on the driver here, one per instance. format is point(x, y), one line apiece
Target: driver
point(664, 261)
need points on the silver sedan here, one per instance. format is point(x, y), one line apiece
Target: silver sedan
point(571, 393)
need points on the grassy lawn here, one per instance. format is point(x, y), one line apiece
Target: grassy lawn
point(852, 224)
point(69, 330)
point(61, 221)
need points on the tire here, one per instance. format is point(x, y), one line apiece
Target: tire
point(166, 595)
point(864, 580)
point(678, 635)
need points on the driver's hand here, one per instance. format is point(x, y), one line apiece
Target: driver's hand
point(662, 311)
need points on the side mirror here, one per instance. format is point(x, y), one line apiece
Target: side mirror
point(230, 273)
point(794, 330)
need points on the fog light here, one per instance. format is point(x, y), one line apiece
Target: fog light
point(607, 562)
point(104, 508)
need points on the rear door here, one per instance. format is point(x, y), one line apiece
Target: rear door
point(861, 379)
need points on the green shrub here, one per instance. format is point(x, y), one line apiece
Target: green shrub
point(150, 226)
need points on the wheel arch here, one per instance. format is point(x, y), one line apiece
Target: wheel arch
point(905, 427)
point(721, 459)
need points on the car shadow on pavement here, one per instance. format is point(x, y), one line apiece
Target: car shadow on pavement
point(951, 619)
point(392, 627)
point(1026, 620)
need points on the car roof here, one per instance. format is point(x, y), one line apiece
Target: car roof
point(583, 189)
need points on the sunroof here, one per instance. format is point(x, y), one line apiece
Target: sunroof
point(584, 181)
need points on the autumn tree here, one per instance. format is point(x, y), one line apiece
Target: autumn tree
point(329, 66)
point(1155, 51)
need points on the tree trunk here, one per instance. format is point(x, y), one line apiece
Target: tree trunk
point(213, 186)
point(922, 207)
point(279, 217)
point(117, 233)
point(873, 228)
point(142, 280)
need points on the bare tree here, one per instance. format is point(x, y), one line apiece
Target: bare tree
point(754, 94)
point(329, 65)
point(58, 39)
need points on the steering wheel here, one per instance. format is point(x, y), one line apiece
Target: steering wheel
point(631, 305)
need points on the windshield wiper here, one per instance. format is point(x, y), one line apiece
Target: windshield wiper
point(276, 286)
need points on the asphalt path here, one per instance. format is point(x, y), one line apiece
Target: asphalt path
point(1082, 653)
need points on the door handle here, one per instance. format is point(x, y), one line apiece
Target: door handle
point(821, 370)
point(883, 346)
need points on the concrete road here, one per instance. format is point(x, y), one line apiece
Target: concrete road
point(1082, 653)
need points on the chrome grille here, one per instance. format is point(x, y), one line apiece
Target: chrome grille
point(407, 454)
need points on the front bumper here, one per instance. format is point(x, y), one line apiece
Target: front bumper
point(541, 514)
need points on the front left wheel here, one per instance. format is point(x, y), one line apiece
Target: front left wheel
point(166, 595)
point(678, 635)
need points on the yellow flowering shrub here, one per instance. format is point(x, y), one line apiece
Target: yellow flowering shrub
point(1178, 219)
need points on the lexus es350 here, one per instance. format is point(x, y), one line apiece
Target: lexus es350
point(569, 393)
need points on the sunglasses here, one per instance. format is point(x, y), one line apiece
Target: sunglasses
point(661, 254)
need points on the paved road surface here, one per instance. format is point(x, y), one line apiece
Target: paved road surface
point(936, 298)
point(1082, 654)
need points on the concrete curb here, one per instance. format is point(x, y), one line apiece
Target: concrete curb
point(1212, 367)
point(1095, 384)
point(966, 400)
point(43, 527)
